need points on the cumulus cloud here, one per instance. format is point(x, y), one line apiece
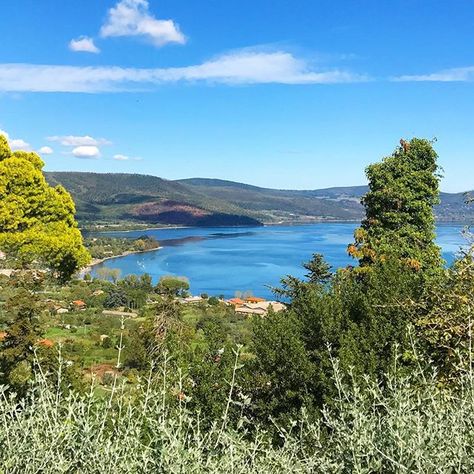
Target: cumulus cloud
point(460, 74)
point(46, 150)
point(121, 157)
point(19, 144)
point(16, 143)
point(86, 151)
point(74, 140)
point(235, 68)
point(133, 18)
point(83, 44)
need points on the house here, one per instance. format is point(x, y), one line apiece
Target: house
point(98, 292)
point(78, 304)
point(2, 255)
point(260, 308)
point(250, 311)
point(254, 299)
point(3, 335)
point(46, 342)
point(236, 302)
point(191, 299)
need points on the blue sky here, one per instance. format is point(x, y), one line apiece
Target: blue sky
point(286, 94)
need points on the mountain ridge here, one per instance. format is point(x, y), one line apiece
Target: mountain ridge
point(116, 197)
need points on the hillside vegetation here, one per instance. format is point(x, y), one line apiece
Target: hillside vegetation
point(212, 202)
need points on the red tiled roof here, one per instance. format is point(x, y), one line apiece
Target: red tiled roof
point(236, 301)
point(254, 299)
point(46, 342)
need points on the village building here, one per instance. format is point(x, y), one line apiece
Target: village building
point(78, 304)
point(261, 308)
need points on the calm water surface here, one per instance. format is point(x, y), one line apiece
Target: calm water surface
point(224, 260)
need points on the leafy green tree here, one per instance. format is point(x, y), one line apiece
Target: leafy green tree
point(319, 274)
point(36, 220)
point(361, 314)
point(444, 319)
point(281, 377)
point(403, 188)
point(106, 273)
point(17, 350)
point(115, 298)
point(173, 286)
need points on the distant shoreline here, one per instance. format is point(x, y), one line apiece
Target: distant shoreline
point(266, 224)
point(98, 261)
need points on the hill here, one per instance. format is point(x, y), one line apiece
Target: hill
point(114, 197)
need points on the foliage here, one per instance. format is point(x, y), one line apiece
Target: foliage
point(281, 376)
point(115, 299)
point(361, 313)
point(399, 221)
point(173, 286)
point(36, 220)
point(22, 335)
point(106, 247)
point(444, 319)
point(409, 425)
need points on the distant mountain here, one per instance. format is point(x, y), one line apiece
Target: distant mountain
point(212, 202)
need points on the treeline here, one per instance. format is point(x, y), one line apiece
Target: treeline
point(105, 247)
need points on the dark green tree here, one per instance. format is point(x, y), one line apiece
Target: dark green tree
point(399, 222)
point(17, 351)
point(281, 378)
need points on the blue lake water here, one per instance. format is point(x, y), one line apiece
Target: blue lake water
point(225, 260)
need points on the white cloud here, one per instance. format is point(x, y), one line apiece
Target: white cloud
point(121, 157)
point(46, 150)
point(86, 151)
point(16, 143)
point(460, 74)
point(133, 18)
point(239, 67)
point(19, 144)
point(73, 140)
point(83, 44)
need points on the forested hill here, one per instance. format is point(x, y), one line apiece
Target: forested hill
point(213, 202)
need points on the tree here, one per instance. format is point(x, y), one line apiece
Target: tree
point(399, 222)
point(115, 298)
point(444, 319)
point(173, 286)
point(36, 220)
point(318, 276)
point(281, 378)
point(361, 313)
point(17, 350)
point(105, 273)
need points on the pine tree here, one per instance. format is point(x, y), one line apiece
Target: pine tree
point(36, 220)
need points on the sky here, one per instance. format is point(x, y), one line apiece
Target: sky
point(300, 94)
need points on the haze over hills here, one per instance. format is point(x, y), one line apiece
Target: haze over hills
point(213, 202)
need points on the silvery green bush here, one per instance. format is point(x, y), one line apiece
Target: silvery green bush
point(410, 424)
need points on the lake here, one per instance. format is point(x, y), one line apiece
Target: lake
point(225, 260)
